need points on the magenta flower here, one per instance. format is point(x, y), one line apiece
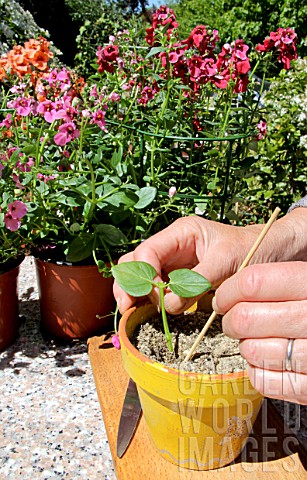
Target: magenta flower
point(45, 178)
point(16, 211)
point(282, 41)
point(64, 78)
point(66, 133)
point(25, 167)
point(17, 182)
point(116, 342)
point(93, 91)
point(52, 77)
point(262, 130)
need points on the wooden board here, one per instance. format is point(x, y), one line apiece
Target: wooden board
point(272, 451)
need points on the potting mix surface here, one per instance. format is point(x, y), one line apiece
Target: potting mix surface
point(217, 353)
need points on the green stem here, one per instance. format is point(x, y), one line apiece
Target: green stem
point(164, 318)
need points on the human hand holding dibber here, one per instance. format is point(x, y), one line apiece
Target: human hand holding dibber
point(244, 264)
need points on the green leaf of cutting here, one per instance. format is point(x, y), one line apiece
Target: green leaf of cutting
point(187, 283)
point(135, 278)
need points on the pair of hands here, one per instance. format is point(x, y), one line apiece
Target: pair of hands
point(264, 305)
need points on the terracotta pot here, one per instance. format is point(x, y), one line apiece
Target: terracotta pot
point(71, 298)
point(195, 420)
point(9, 319)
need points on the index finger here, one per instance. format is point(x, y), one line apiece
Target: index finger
point(171, 248)
point(270, 282)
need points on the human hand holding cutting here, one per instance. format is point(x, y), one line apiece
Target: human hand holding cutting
point(216, 251)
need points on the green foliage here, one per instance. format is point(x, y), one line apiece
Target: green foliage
point(281, 171)
point(16, 25)
point(97, 20)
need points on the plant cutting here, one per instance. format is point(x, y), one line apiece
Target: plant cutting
point(137, 279)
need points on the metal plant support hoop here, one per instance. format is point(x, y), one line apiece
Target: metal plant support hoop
point(224, 194)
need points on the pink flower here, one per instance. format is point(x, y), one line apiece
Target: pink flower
point(172, 191)
point(22, 106)
point(45, 178)
point(147, 94)
point(116, 342)
point(7, 122)
point(282, 41)
point(114, 97)
point(17, 182)
point(51, 110)
point(25, 167)
point(52, 78)
point(67, 132)
point(11, 223)
point(93, 91)
point(262, 130)
point(202, 40)
point(64, 78)
point(98, 119)
point(126, 87)
point(17, 209)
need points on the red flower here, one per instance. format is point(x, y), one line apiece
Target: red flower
point(202, 40)
point(162, 17)
point(284, 42)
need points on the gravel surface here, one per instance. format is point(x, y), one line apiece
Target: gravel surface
point(51, 425)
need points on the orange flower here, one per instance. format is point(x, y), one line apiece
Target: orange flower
point(21, 59)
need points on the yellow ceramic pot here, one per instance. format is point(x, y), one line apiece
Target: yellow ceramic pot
point(195, 420)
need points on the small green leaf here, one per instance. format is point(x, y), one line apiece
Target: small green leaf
point(80, 248)
point(187, 283)
point(146, 196)
point(135, 278)
point(154, 51)
point(110, 234)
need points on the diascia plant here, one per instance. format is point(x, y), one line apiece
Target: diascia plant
point(188, 111)
point(64, 191)
point(161, 130)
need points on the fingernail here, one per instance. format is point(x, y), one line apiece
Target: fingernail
point(214, 305)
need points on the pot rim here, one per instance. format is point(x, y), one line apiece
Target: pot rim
point(159, 367)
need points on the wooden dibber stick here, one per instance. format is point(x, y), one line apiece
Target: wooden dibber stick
point(245, 262)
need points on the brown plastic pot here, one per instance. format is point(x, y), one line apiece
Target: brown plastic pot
point(72, 300)
point(9, 319)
